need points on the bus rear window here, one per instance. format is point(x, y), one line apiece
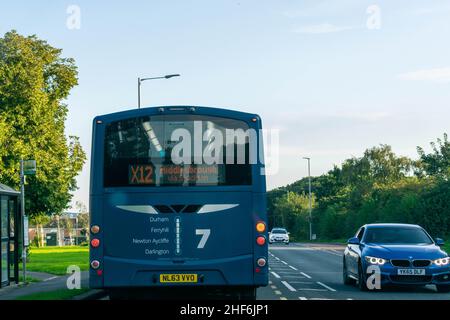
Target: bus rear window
point(138, 152)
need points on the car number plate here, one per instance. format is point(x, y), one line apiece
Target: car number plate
point(178, 278)
point(411, 272)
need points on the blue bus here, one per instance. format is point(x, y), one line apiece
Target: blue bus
point(165, 218)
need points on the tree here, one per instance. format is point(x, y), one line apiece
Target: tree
point(437, 163)
point(292, 212)
point(34, 81)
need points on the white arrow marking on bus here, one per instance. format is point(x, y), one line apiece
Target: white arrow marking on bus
point(208, 208)
point(139, 209)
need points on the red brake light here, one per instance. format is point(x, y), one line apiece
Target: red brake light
point(95, 243)
point(261, 241)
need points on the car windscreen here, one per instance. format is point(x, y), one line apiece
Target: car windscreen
point(397, 235)
point(138, 152)
point(279, 231)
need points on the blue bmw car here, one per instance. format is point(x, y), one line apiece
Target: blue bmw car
point(402, 254)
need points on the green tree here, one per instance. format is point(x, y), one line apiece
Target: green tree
point(34, 82)
point(437, 163)
point(292, 212)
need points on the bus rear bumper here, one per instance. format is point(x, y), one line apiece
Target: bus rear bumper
point(236, 271)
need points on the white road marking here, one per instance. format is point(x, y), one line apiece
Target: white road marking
point(310, 289)
point(302, 298)
point(284, 262)
point(293, 268)
point(278, 292)
point(287, 285)
point(49, 279)
point(275, 275)
point(283, 298)
point(325, 286)
point(307, 276)
point(273, 287)
point(333, 253)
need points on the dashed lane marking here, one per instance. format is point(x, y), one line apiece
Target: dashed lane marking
point(277, 292)
point(283, 298)
point(307, 276)
point(284, 262)
point(293, 268)
point(287, 285)
point(275, 275)
point(325, 286)
point(273, 287)
point(302, 298)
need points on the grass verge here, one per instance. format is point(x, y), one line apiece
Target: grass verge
point(55, 260)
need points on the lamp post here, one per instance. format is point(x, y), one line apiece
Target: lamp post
point(140, 80)
point(310, 197)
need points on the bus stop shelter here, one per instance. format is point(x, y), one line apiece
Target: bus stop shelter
point(9, 235)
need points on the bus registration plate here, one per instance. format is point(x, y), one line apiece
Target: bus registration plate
point(178, 278)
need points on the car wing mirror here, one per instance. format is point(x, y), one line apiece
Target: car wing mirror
point(353, 241)
point(440, 242)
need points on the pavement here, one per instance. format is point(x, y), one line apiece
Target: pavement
point(314, 272)
point(49, 282)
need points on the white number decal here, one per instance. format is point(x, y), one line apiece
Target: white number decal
point(205, 233)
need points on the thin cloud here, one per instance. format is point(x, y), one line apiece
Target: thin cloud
point(441, 75)
point(322, 28)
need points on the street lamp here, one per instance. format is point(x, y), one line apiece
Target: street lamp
point(140, 80)
point(310, 197)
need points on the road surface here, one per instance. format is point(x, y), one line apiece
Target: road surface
point(314, 272)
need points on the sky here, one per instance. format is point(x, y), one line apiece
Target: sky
point(335, 77)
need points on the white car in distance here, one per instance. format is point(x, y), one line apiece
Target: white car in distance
point(279, 235)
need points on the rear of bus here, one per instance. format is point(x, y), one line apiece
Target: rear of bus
point(157, 223)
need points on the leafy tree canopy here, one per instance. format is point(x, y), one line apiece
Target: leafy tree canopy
point(34, 82)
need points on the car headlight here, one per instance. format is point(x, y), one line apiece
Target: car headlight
point(377, 261)
point(442, 262)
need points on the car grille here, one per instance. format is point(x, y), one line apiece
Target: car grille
point(411, 279)
point(407, 263)
point(401, 263)
point(421, 263)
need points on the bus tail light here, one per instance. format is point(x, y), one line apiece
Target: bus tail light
point(260, 227)
point(95, 243)
point(261, 241)
point(95, 229)
point(261, 262)
point(95, 264)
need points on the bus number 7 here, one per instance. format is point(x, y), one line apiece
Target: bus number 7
point(205, 233)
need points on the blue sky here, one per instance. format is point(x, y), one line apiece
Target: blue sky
point(312, 69)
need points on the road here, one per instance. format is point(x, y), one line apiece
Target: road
point(314, 272)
